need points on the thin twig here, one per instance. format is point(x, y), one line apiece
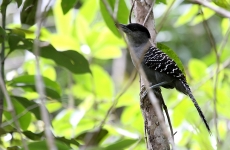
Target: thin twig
point(2, 60)
point(130, 14)
point(213, 43)
point(217, 9)
point(109, 9)
point(147, 16)
point(18, 116)
point(116, 8)
point(39, 80)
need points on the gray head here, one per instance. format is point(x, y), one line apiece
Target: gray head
point(136, 34)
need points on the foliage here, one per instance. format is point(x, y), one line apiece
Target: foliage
point(78, 52)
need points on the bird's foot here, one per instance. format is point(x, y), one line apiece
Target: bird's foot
point(144, 94)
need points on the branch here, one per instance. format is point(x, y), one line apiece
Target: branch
point(217, 9)
point(152, 100)
point(2, 60)
point(39, 81)
point(12, 111)
point(157, 133)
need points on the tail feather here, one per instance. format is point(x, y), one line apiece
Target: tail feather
point(189, 93)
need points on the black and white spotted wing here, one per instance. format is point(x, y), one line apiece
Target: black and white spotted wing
point(159, 61)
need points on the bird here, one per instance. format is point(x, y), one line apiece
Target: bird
point(160, 69)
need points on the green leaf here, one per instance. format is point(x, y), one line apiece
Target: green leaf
point(72, 60)
point(172, 55)
point(25, 116)
point(66, 6)
point(28, 14)
point(5, 3)
point(33, 136)
point(14, 148)
point(17, 41)
point(222, 3)
point(121, 144)
point(67, 141)
point(30, 106)
point(161, 1)
point(122, 14)
point(42, 145)
point(2, 34)
point(52, 89)
point(97, 136)
point(19, 2)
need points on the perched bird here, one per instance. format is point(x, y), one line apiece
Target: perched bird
point(159, 68)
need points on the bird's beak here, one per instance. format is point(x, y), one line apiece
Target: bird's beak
point(122, 27)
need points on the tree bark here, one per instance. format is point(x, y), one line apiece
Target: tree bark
point(156, 139)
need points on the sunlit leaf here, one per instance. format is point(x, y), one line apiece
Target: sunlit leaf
point(225, 25)
point(81, 27)
point(180, 112)
point(52, 107)
point(104, 48)
point(91, 5)
point(197, 69)
point(62, 125)
point(107, 52)
point(207, 13)
point(63, 22)
point(46, 69)
point(101, 79)
point(64, 42)
point(188, 16)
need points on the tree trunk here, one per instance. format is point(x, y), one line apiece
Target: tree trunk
point(156, 139)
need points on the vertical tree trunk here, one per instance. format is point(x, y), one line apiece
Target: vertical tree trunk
point(156, 139)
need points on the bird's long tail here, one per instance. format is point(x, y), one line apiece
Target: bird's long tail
point(189, 93)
